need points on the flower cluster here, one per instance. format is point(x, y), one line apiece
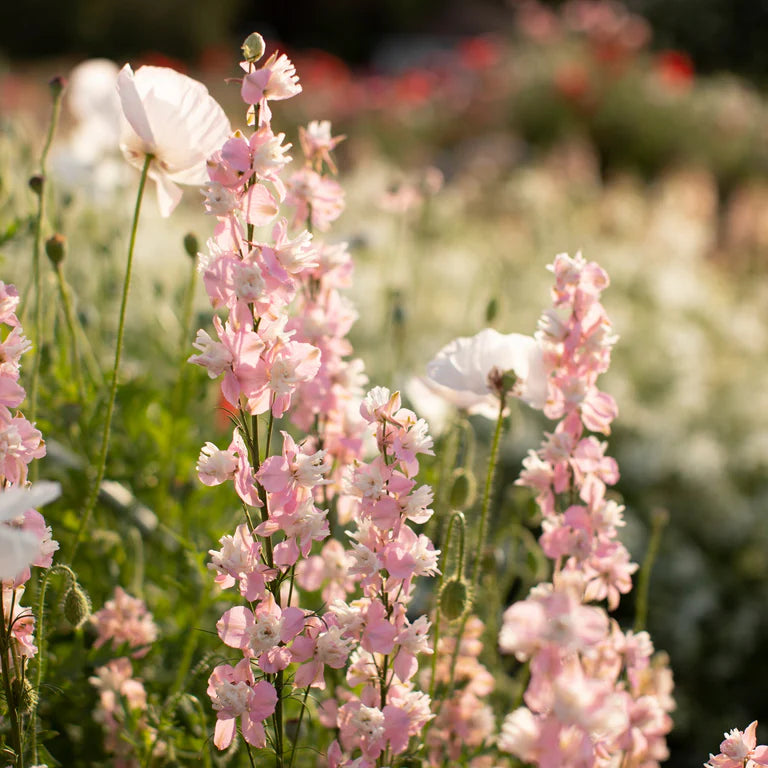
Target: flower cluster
point(282, 351)
point(25, 539)
point(594, 691)
point(125, 620)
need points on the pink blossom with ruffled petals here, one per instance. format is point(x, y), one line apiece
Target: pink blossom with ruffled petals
point(234, 695)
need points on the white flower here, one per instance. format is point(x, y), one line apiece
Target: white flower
point(459, 373)
point(19, 548)
point(172, 117)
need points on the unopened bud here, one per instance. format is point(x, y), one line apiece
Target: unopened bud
point(491, 310)
point(77, 605)
point(253, 47)
point(454, 599)
point(36, 184)
point(191, 245)
point(463, 489)
point(57, 85)
point(55, 248)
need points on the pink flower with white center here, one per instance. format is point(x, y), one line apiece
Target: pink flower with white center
point(297, 254)
point(556, 618)
point(214, 356)
point(21, 544)
point(304, 524)
point(219, 200)
point(316, 650)
point(239, 560)
point(317, 144)
point(264, 155)
point(125, 619)
point(115, 679)
point(12, 348)
point(410, 555)
point(234, 695)
point(415, 506)
point(277, 374)
point(9, 302)
point(609, 573)
point(329, 570)
point(739, 750)
point(520, 734)
point(174, 119)
point(362, 726)
point(464, 371)
point(275, 80)
point(294, 472)
point(413, 640)
point(20, 619)
point(214, 466)
point(20, 443)
point(380, 405)
point(316, 198)
point(263, 632)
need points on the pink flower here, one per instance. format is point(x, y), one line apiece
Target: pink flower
point(317, 144)
point(276, 79)
point(739, 750)
point(460, 372)
point(20, 545)
point(234, 694)
point(125, 619)
point(173, 118)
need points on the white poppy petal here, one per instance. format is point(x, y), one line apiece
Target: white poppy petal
point(133, 108)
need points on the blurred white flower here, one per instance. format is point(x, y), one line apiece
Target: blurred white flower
point(173, 118)
point(89, 158)
point(460, 372)
point(19, 548)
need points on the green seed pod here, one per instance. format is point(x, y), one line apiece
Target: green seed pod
point(36, 183)
point(77, 605)
point(463, 489)
point(191, 246)
point(56, 248)
point(454, 599)
point(253, 47)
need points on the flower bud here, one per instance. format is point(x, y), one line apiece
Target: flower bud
point(36, 184)
point(55, 248)
point(191, 246)
point(253, 47)
point(491, 311)
point(463, 489)
point(57, 85)
point(77, 605)
point(454, 599)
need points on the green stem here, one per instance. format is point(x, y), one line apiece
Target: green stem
point(69, 316)
point(36, 269)
point(40, 630)
point(298, 727)
point(492, 460)
point(94, 490)
point(659, 520)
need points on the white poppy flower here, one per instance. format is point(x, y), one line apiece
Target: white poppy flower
point(175, 119)
point(460, 371)
point(19, 548)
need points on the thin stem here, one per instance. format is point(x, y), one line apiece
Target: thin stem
point(40, 630)
point(492, 460)
point(298, 727)
point(69, 316)
point(94, 490)
point(659, 520)
point(36, 269)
